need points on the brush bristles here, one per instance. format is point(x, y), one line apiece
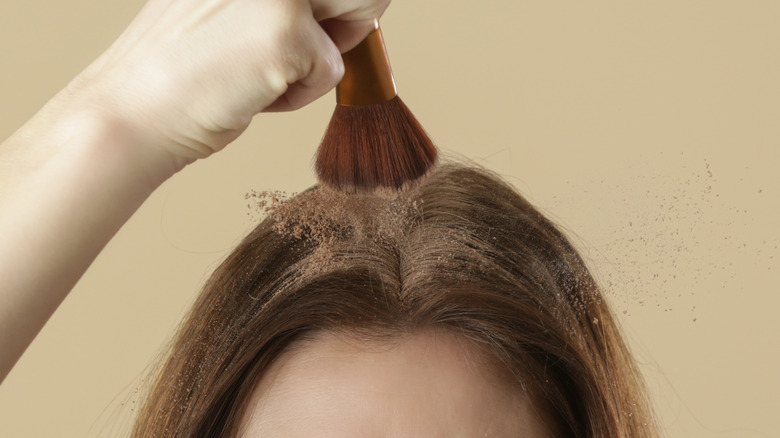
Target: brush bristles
point(374, 145)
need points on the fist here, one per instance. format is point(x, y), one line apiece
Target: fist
point(187, 76)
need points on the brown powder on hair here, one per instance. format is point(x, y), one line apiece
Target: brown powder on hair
point(326, 215)
point(336, 219)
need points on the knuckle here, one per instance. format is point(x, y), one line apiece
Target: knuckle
point(335, 66)
point(278, 80)
point(331, 68)
point(338, 71)
point(287, 59)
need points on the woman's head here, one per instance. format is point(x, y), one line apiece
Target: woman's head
point(460, 256)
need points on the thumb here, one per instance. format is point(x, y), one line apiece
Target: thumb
point(347, 34)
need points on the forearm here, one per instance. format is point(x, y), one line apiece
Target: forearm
point(69, 179)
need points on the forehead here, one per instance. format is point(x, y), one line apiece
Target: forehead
point(430, 384)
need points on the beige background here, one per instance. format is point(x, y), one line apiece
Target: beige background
point(648, 130)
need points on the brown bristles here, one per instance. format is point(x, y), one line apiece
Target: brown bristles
point(368, 146)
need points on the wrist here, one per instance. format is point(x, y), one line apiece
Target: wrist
point(145, 104)
point(91, 129)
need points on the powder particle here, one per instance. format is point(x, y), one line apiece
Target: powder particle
point(264, 201)
point(668, 241)
point(331, 217)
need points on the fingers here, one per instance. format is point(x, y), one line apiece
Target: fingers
point(337, 27)
point(347, 22)
point(348, 10)
point(347, 34)
point(326, 69)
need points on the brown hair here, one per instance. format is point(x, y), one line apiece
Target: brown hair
point(471, 256)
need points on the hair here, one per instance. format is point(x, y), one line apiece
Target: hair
point(471, 256)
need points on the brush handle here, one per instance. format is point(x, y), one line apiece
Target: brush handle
point(368, 77)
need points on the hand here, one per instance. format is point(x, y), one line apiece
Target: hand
point(182, 81)
point(187, 76)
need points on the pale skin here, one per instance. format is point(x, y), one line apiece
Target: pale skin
point(428, 384)
point(183, 81)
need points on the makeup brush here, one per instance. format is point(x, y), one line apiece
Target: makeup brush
point(372, 139)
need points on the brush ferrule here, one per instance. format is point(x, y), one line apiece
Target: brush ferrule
point(368, 77)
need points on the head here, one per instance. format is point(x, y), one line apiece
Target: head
point(452, 307)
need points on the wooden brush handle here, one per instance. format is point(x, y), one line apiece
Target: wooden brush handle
point(368, 77)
